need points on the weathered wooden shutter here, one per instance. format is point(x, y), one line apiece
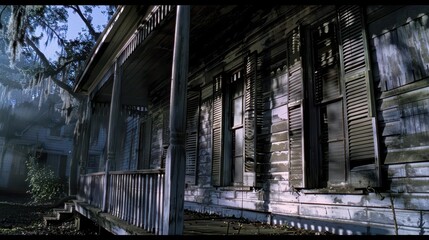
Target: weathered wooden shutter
point(165, 134)
point(217, 150)
point(250, 128)
point(328, 103)
point(361, 130)
point(192, 117)
point(295, 110)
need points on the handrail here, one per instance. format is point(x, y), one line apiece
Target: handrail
point(142, 171)
point(134, 196)
point(93, 174)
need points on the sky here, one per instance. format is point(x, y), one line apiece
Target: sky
point(75, 25)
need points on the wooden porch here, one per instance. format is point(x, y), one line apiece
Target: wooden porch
point(135, 197)
point(135, 207)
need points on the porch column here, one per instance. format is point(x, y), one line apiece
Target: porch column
point(80, 151)
point(175, 162)
point(115, 108)
point(73, 178)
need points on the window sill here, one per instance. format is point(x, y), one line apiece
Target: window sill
point(333, 191)
point(236, 188)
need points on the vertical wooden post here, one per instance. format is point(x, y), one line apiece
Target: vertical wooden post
point(175, 162)
point(115, 108)
point(74, 167)
point(81, 145)
point(86, 132)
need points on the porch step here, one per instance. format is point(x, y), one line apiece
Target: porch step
point(59, 215)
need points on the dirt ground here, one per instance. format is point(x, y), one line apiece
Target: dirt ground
point(18, 216)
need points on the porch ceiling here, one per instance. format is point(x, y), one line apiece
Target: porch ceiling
point(151, 63)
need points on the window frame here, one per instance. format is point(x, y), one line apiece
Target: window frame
point(235, 81)
point(363, 168)
point(315, 109)
point(222, 151)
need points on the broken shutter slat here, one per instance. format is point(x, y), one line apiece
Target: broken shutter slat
point(192, 116)
point(253, 117)
point(250, 119)
point(361, 130)
point(295, 110)
point(217, 150)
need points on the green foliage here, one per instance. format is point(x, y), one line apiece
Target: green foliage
point(44, 185)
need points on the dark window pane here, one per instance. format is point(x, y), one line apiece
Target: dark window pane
point(238, 111)
point(238, 142)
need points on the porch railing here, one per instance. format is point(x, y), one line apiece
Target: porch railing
point(133, 196)
point(91, 187)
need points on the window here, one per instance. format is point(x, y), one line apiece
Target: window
point(328, 101)
point(235, 124)
point(336, 120)
point(236, 129)
point(55, 131)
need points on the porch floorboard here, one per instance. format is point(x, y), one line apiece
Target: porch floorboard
point(193, 225)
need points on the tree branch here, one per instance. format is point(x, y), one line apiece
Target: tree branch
point(66, 63)
point(51, 71)
point(39, 53)
point(66, 87)
point(56, 34)
point(92, 31)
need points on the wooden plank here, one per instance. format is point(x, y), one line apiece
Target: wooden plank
point(414, 154)
point(389, 115)
point(111, 194)
point(133, 199)
point(279, 146)
point(418, 169)
point(123, 198)
point(412, 185)
point(279, 167)
point(146, 203)
point(280, 156)
point(116, 195)
point(424, 83)
point(150, 204)
point(289, 208)
point(398, 142)
point(138, 197)
point(279, 137)
point(360, 214)
point(128, 198)
point(407, 97)
point(279, 114)
point(107, 221)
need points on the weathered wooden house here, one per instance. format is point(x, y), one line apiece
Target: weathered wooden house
point(28, 131)
point(315, 116)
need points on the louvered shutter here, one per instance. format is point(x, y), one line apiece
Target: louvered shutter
point(192, 114)
point(328, 102)
point(165, 135)
point(217, 150)
point(295, 110)
point(361, 129)
point(250, 124)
